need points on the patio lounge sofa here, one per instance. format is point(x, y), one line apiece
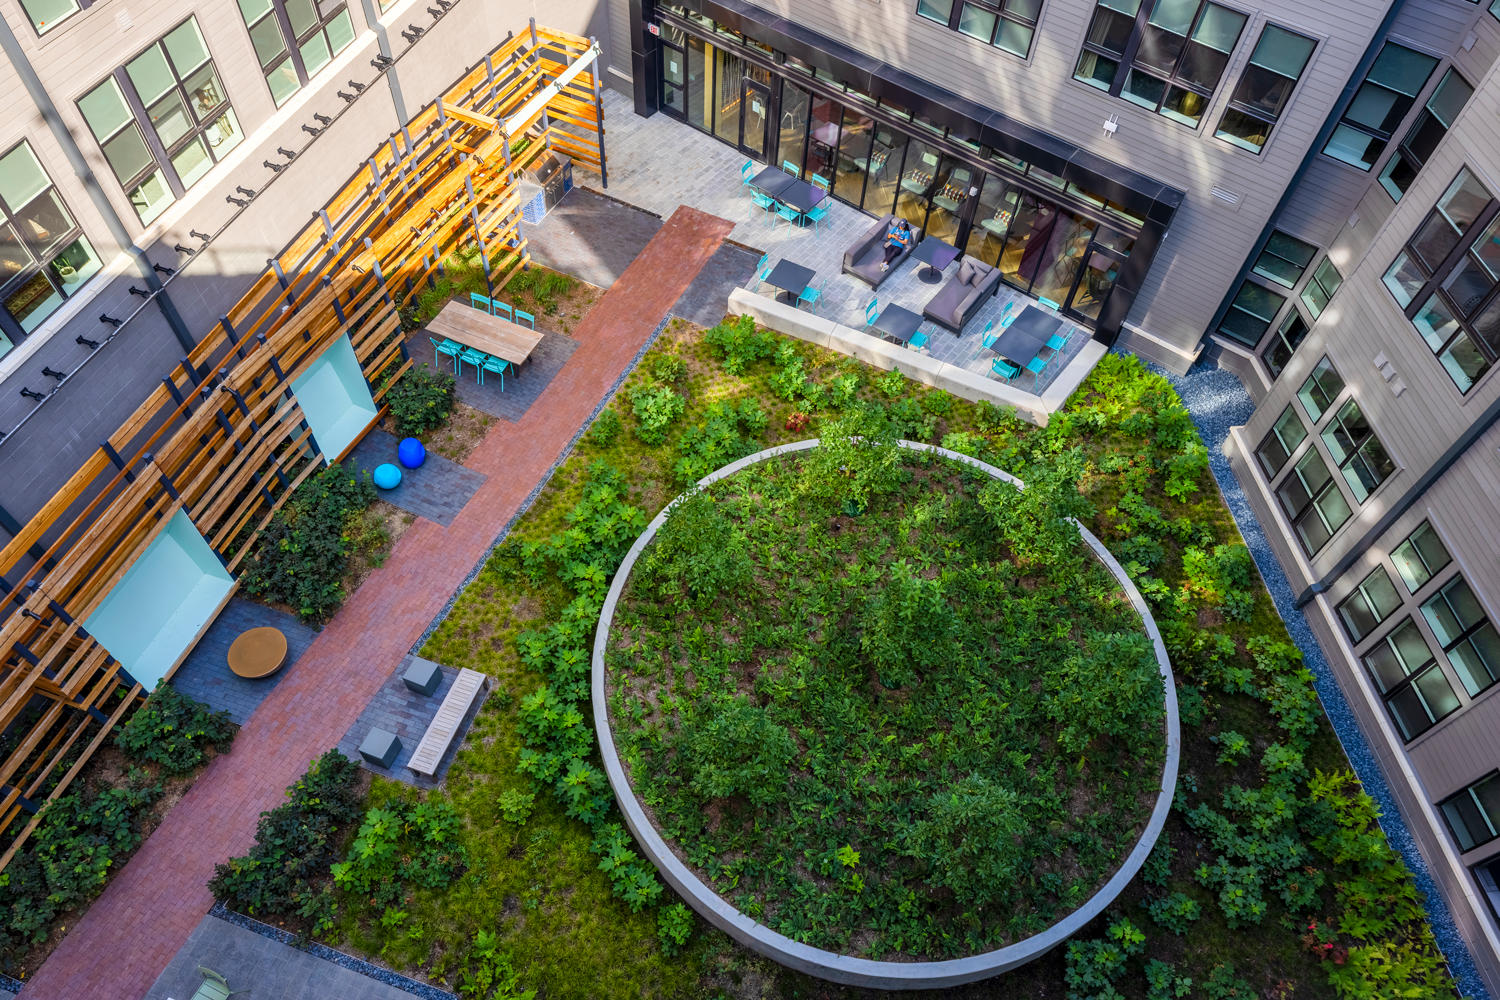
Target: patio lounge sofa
point(959, 298)
point(864, 258)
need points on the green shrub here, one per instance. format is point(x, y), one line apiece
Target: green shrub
point(697, 553)
point(606, 428)
point(421, 401)
point(734, 749)
point(174, 731)
point(741, 343)
point(488, 973)
point(516, 805)
point(891, 384)
point(716, 440)
point(674, 925)
point(1233, 747)
point(301, 557)
point(286, 874)
point(1223, 984)
point(1175, 912)
point(1162, 983)
point(1224, 577)
point(908, 628)
point(968, 837)
point(669, 369)
point(402, 844)
point(655, 406)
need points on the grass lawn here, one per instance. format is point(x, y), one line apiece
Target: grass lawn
point(1272, 881)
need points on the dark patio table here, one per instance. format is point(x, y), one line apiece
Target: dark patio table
point(791, 278)
point(898, 323)
point(1027, 335)
point(772, 180)
point(801, 195)
point(936, 254)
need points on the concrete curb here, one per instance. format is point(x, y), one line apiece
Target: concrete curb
point(922, 368)
point(826, 964)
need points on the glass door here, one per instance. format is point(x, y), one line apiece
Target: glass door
point(756, 101)
point(823, 138)
point(793, 131)
point(922, 176)
point(673, 71)
point(853, 157)
point(698, 93)
point(994, 209)
point(1100, 270)
point(728, 72)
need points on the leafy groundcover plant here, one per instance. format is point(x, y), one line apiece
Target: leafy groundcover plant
point(920, 732)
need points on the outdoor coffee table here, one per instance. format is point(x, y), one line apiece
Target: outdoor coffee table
point(897, 323)
point(257, 652)
point(791, 278)
point(936, 254)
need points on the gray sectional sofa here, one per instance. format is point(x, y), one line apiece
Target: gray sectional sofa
point(961, 295)
point(864, 258)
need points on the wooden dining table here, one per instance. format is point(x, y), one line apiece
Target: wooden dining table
point(494, 335)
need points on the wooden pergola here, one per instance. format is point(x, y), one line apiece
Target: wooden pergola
point(223, 438)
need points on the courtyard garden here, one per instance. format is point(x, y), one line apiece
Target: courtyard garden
point(1272, 878)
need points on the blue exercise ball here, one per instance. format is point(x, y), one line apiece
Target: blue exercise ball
point(411, 453)
point(387, 476)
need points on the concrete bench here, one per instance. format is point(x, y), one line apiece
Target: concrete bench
point(450, 715)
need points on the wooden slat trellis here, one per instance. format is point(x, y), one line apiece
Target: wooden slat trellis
point(223, 438)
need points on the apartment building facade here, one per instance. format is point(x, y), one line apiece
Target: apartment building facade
point(1269, 182)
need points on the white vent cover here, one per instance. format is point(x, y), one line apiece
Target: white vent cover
point(123, 20)
point(1227, 197)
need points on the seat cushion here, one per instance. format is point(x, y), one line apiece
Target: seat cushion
point(966, 272)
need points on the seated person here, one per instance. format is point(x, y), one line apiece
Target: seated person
point(898, 239)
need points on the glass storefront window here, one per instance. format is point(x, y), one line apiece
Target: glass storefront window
point(795, 103)
point(728, 70)
point(883, 171)
point(823, 138)
point(1063, 257)
point(922, 175)
point(44, 256)
point(699, 112)
point(854, 157)
point(997, 206)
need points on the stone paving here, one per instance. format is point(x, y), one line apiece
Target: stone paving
point(436, 490)
point(398, 709)
point(264, 968)
point(705, 173)
point(120, 945)
point(205, 675)
point(704, 301)
point(591, 235)
point(510, 397)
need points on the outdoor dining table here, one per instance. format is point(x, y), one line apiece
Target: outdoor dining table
point(494, 335)
point(791, 278)
point(1026, 335)
point(801, 195)
point(936, 254)
point(771, 180)
point(897, 323)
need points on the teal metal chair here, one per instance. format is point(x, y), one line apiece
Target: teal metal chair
point(1058, 341)
point(987, 335)
point(763, 201)
point(791, 168)
point(1049, 304)
point(788, 213)
point(746, 172)
point(495, 366)
point(872, 312)
point(820, 181)
point(810, 295)
point(503, 309)
point(445, 347)
point(481, 302)
point(1004, 369)
point(470, 356)
point(524, 317)
point(1036, 366)
point(918, 340)
point(818, 213)
point(214, 986)
point(1007, 320)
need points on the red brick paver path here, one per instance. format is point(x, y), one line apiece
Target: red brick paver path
point(146, 914)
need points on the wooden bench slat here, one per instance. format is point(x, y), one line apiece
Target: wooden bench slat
point(444, 727)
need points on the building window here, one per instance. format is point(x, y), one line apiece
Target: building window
point(163, 120)
point(1264, 88)
point(1464, 631)
point(1320, 389)
point(1312, 501)
point(1284, 437)
point(1175, 51)
point(48, 14)
point(1288, 337)
point(1431, 124)
point(1372, 602)
point(1474, 813)
point(1005, 24)
point(1420, 556)
point(44, 256)
point(1415, 689)
point(1390, 88)
point(294, 39)
point(1357, 451)
point(1445, 279)
point(1320, 287)
point(1250, 314)
point(1284, 259)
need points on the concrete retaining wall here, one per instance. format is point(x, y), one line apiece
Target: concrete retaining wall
point(924, 368)
point(826, 964)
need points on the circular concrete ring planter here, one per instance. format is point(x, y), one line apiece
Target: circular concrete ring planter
point(830, 965)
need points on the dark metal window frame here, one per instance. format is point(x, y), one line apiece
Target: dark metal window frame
point(1314, 498)
point(1269, 119)
point(1466, 633)
point(1468, 790)
point(1432, 571)
point(1000, 9)
point(1361, 592)
point(292, 42)
point(1400, 98)
point(1410, 680)
point(1439, 275)
point(1301, 268)
point(1280, 339)
point(9, 325)
point(1127, 64)
point(1317, 279)
point(1405, 152)
point(1330, 398)
point(1272, 470)
point(79, 7)
point(1347, 419)
point(140, 116)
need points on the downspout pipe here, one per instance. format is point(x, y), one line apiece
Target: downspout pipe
point(1351, 87)
point(383, 42)
point(1455, 451)
point(33, 84)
